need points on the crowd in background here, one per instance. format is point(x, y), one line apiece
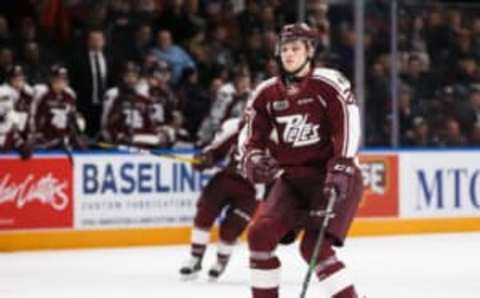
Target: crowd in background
point(215, 52)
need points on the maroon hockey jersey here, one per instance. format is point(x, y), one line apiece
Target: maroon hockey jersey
point(52, 116)
point(137, 119)
point(23, 108)
point(312, 121)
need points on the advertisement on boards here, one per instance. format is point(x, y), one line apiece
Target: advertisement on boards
point(35, 194)
point(127, 191)
point(380, 178)
point(440, 184)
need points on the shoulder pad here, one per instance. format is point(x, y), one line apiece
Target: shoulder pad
point(332, 77)
point(39, 90)
point(71, 92)
point(259, 89)
point(143, 89)
point(231, 124)
point(28, 89)
point(111, 93)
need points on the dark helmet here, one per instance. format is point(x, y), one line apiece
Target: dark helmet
point(58, 71)
point(157, 67)
point(15, 71)
point(291, 32)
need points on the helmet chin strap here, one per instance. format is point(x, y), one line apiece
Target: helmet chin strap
point(290, 75)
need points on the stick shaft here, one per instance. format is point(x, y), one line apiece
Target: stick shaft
point(318, 244)
point(137, 150)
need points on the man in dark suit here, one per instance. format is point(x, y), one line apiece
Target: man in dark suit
point(92, 75)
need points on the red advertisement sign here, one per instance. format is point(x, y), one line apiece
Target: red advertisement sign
point(36, 193)
point(380, 178)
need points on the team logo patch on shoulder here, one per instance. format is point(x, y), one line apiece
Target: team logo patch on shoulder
point(280, 105)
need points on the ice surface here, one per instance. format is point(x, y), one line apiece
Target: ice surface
point(433, 266)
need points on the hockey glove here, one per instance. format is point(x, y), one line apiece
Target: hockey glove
point(260, 167)
point(204, 160)
point(340, 177)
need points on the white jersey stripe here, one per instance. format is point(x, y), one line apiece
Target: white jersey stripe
point(351, 123)
point(333, 284)
point(354, 130)
point(265, 279)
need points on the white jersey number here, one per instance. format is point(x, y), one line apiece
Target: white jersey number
point(133, 119)
point(59, 118)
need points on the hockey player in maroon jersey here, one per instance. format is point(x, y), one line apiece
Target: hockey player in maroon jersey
point(131, 116)
point(22, 97)
point(163, 101)
point(11, 137)
point(227, 191)
point(55, 123)
point(313, 115)
point(230, 102)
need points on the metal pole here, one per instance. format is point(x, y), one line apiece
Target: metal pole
point(301, 11)
point(360, 61)
point(395, 125)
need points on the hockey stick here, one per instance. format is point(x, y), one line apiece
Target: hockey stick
point(138, 150)
point(328, 214)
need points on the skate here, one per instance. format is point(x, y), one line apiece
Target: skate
point(216, 270)
point(190, 268)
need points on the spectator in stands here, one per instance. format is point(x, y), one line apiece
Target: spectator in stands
point(195, 101)
point(249, 18)
point(406, 114)
point(92, 73)
point(140, 46)
point(476, 34)
point(198, 47)
point(417, 79)
point(27, 32)
point(5, 34)
point(181, 18)
point(36, 71)
point(435, 35)
point(475, 135)
point(469, 112)
point(453, 134)
point(270, 69)
point(468, 71)
point(6, 62)
point(269, 41)
point(253, 54)
point(193, 18)
point(218, 48)
point(174, 55)
point(377, 93)
point(420, 134)
point(267, 18)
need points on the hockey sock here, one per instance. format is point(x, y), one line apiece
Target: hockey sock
point(200, 238)
point(265, 275)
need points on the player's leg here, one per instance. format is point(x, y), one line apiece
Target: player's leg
point(277, 216)
point(333, 278)
point(241, 207)
point(331, 271)
point(209, 206)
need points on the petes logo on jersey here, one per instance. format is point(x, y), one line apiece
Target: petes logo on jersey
point(298, 131)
